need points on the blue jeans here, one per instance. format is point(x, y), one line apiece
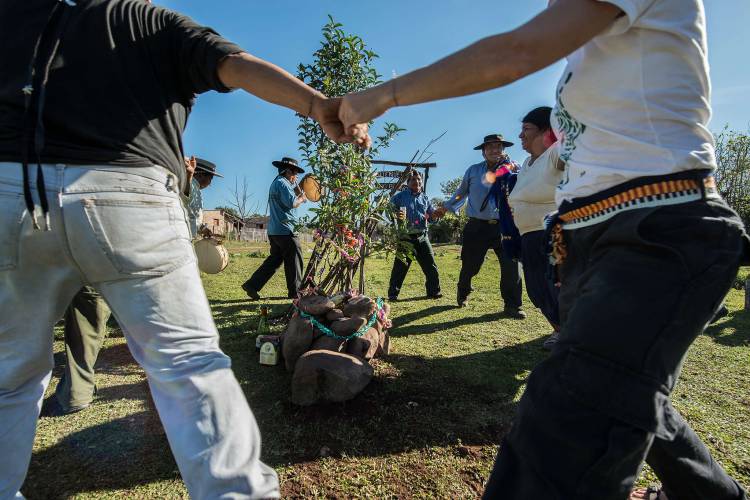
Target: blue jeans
point(124, 232)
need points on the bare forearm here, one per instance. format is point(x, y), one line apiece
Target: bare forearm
point(299, 200)
point(268, 82)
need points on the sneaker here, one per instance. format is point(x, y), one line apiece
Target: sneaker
point(551, 341)
point(515, 313)
point(251, 292)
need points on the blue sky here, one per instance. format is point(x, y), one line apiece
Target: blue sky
point(243, 134)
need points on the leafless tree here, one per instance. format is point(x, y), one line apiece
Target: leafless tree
point(240, 199)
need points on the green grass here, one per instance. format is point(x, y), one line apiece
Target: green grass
point(427, 426)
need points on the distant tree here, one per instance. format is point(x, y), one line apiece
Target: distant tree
point(448, 188)
point(240, 199)
point(733, 170)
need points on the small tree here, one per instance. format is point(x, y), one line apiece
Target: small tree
point(351, 205)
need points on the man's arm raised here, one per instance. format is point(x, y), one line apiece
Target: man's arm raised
point(489, 63)
point(271, 83)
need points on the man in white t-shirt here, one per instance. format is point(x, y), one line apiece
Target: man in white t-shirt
point(647, 247)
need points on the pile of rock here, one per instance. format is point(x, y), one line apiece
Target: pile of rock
point(327, 368)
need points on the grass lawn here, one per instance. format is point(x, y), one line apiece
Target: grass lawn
point(427, 426)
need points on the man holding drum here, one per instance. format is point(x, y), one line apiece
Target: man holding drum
point(284, 197)
point(200, 174)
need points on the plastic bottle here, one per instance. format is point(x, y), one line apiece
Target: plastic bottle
point(262, 326)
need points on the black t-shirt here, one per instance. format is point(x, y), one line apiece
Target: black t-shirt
point(120, 88)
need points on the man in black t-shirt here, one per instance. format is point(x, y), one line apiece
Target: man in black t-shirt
point(95, 94)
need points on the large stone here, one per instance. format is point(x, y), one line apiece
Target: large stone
point(361, 307)
point(297, 340)
point(347, 326)
point(328, 376)
point(317, 305)
point(384, 344)
point(326, 343)
point(365, 346)
point(334, 314)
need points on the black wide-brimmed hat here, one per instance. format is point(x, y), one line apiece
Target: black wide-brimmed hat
point(288, 163)
point(492, 138)
point(206, 167)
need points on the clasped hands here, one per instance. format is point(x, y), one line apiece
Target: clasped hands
point(345, 119)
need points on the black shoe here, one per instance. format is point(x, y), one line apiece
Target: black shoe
point(515, 313)
point(52, 408)
point(462, 300)
point(435, 296)
point(251, 292)
point(392, 298)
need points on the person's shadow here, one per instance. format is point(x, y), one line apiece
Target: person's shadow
point(731, 331)
point(414, 402)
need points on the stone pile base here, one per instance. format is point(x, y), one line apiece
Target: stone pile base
point(327, 368)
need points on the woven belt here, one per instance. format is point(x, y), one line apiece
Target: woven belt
point(485, 221)
point(663, 192)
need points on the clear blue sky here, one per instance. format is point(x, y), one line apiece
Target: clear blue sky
point(243, 134)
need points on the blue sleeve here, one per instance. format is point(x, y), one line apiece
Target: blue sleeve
point(395, 200)
point(284, 193)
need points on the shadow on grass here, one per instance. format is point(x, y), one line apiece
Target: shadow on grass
point(399, 330)
point(738, 322)
point(413, 403)
point(121, 453)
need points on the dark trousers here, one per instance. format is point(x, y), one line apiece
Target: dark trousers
point(637, 290)
point(85, 329)
point(478, 237)
point(426, 260)
point(542, 291)
point(285, 249)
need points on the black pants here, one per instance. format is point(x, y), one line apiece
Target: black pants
point(426, 260)
point(284, 249)
point(478, 237)
point(636, 292)
point(542, 292)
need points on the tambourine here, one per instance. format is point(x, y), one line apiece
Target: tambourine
point(213, 257)
point(311, 187)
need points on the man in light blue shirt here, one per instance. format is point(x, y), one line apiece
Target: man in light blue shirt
point(483, 231)
point(414, 210)
point(285, 248)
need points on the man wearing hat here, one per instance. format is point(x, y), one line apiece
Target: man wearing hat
point(200, 172)
point(490, 223)
point(283, 201)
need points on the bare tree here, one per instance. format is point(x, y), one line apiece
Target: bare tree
point(240, 199)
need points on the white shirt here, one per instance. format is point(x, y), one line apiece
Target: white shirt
point(533, 196)
point(634, 101)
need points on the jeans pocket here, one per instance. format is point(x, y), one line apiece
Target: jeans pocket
point(140, 235)
point(11, 219)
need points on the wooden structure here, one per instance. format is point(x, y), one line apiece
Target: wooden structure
point(397, 174)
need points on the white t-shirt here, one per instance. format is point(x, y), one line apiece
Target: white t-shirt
point(533, 196)
point(634, 101)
